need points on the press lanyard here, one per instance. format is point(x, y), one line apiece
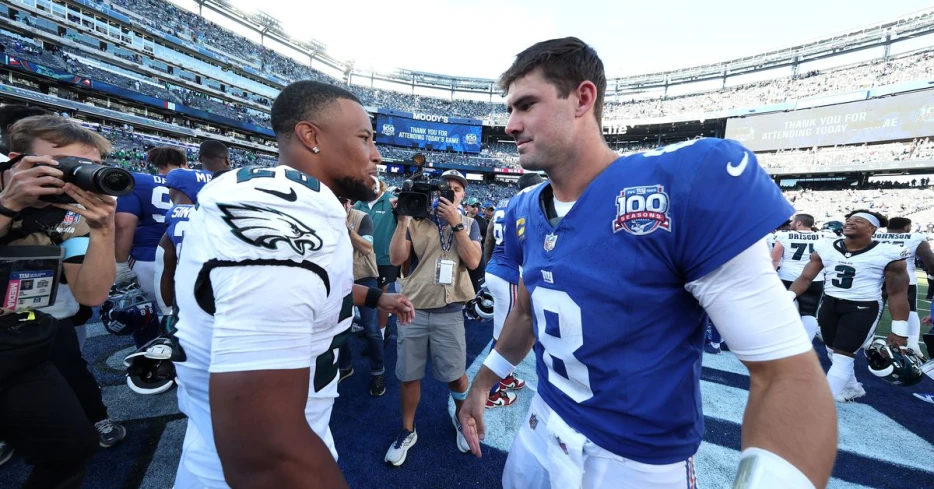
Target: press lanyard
point(450, 242)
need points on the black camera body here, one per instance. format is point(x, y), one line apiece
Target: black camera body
point(92, 177)
point(416, 196)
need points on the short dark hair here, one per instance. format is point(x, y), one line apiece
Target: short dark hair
point(13, 113)
point(164, 156)
point(899, 223)
point(883, 221)
point(529, 179)
point(806, 219)
point(565, 63)
point(303, 101)
point(212, 148)
point(56, 130)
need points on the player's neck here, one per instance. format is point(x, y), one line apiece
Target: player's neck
point(856, 243)
point(569, 180)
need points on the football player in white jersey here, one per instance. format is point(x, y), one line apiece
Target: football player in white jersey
point(855, 268)
point(899, 233)
point(790, 254)
point(265, 294)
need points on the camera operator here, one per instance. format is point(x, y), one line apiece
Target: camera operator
point(44, 417)
point(446, 245)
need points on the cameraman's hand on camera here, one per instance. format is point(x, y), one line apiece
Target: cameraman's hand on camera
point(97, 209)
point(400, 219)
point(448, 211)
point(30, 180)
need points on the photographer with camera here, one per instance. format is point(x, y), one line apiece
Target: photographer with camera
point(49, 401)
point(446, 244)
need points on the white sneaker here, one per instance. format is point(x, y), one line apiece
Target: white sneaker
point(400, 448)
point(851, 392)
point(461, 440)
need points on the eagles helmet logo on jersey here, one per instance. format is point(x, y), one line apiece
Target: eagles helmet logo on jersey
point(266, 227)
point(642, 210)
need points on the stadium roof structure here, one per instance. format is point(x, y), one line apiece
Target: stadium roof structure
point(882, 34)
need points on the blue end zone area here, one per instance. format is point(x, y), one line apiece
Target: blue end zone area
point(885, 438)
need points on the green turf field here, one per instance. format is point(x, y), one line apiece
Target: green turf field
point(924, 310)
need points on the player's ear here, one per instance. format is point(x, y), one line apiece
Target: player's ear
point(307, 134)
point(586, 97)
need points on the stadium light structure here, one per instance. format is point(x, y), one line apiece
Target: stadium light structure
point(268, 25)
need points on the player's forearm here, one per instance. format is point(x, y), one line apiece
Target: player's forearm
point(469, 251)
point(98, 270)
point(793, 415)
point(123, 242)
point(800, 285)
point(898, 306)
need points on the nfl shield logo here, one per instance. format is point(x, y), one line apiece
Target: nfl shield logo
point(642, 210)
point(550, 241)
point(71, 218)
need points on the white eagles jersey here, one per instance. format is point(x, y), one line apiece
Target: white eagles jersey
point(910, 241)
point(859, 276)
point(797, 247)
point(264, 282)
point(770, 240)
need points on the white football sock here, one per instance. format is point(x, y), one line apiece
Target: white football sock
point(810, 326)
point(840, 374)
point(914, 331)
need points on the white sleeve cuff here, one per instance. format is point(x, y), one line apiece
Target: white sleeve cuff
point(751, 309)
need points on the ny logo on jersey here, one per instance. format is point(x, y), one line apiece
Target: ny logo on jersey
point(642, 210)
point(266, 227)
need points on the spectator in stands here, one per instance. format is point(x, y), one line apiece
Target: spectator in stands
point(446, 245)
point(10, 114)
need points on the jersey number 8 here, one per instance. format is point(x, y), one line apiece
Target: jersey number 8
point(555, 310)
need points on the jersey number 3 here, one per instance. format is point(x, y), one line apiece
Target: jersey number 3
point(845, 276)
point(560, 331)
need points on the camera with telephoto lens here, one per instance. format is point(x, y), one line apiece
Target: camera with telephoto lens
point(415, 198)
point(92, 177)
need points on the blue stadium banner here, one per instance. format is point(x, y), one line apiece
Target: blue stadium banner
point(423, 131)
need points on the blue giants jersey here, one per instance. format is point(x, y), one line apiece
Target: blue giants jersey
point(618, 338)
point(149, 203)
point(177, 221)
point(188, 182)
point(500, 265)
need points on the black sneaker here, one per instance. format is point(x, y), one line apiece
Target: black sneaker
point(6, 452)
point(377, 385)
point(110, 433)
point(345, 374)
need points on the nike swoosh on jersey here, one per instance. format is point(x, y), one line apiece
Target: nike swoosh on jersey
point(290, 197)
point(862, 307)
point(737, 170)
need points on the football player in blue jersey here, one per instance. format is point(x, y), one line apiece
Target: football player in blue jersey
point(502, 280)
point(140, 223)
point(184, 184)
point(622, 260)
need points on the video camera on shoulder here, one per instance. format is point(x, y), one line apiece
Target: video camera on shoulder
point(86, 175)
point(417, 195)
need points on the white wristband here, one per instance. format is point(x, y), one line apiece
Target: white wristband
point(900, 328)
point(762, 469)
point(498, 365)
point(793, 296)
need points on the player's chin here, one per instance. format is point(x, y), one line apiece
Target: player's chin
point(355, 188)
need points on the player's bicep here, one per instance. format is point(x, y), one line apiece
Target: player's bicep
point(750, 307)
point(263, 316)
point(777, 251)
point(896, 277)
